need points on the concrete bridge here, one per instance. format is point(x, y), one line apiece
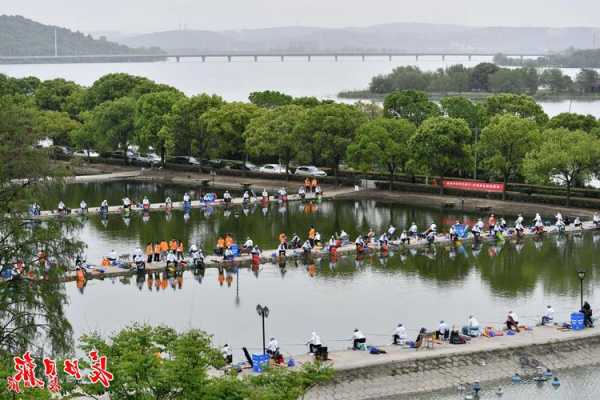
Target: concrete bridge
point(254, 55)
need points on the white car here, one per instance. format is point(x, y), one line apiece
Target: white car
point(86, 154)
point(272, 169)
point(309, 170)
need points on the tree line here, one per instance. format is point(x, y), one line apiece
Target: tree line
point(484, 78)
point(570, 58)
point(505, 136)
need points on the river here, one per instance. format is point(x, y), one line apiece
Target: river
point(417, 288)
point(322, 77)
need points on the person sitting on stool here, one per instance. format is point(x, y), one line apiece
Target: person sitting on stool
point(358, 338)
point(314, 343)
point(399, 335)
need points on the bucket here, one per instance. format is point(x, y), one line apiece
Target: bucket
point(577, 321)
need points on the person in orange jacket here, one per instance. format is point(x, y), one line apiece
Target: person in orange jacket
point(180, 250)
point(149, 253)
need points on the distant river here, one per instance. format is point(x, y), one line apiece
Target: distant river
point(322, 77)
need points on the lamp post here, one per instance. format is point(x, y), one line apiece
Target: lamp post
point(263, 311)
point(581, 275)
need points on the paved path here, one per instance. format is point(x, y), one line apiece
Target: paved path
point(405, 371)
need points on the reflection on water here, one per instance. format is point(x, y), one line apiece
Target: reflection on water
point(575, 384)
point(417, 287)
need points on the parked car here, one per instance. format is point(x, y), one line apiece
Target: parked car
point(150, 159)
point(186, 160)
point(272, 169)
point(239, 165)
point(309, 170)
point(89, 153)
point(60, 152)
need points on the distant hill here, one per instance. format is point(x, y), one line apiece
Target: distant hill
point(398, 36)
point(20, 36)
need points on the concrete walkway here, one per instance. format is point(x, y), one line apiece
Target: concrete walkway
point(403, 372)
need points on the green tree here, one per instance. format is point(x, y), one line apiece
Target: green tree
point(566, 156)
point(587, 80)
point(327, 131)
point(307, 101)
point(155, 362)
point(151, 121)
point(555, 80)
point(573, 122)
point(225, 127)
point(474, 114)
point(401, 78)
point(117, 85)
point(504, 144)
point(411, 105)
point(381, 144)
point(112, 124)
point(519, 105)
point(480, 76)
point(275, 134)
point(185, 125)
point(440, 147)
point(55, 124)
point(52, 94)
point(32, 313)
point(371, 109)
point(270, 99)
point(459, 78)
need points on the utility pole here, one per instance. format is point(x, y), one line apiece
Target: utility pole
point(55, 44)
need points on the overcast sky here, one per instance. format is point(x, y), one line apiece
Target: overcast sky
point(159, 15)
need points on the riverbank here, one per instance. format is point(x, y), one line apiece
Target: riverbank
point(403, 372)
point(470, 204)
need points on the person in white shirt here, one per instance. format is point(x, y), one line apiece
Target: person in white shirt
point(126, 202)
point(433, 228)
point(112, 256)
point(265, 195)
point(399, 336)
point(404, 239)
point(559, 218)
point(314, 343)
point(472, 328)
point(413, 230)
point(548, 316)
point(246, 197)
point(442, 332)
point(519, 220)
point(317, 238)
point(61, 206)
point(538, 218)
point(577, 223)
point(391, 231)
point(344, 236)
point(307, 247)
point(83, 206)
point(186, 197)
point(248, 244)
point(476, 229)
point(227, 197)
point(358, 338)
point(146, 203)
point(137, 251)
point(596, 220)
point(512, 321)
point(301, 192)
point(227, 354)
point(273, 347)
point(171, 258)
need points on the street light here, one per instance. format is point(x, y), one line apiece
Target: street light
point(581, 275)
point(263, 311)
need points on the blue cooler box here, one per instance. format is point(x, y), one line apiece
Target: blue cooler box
point(577, 321)
point(259, 361)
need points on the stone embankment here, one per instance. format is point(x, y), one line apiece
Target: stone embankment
point(402, 372)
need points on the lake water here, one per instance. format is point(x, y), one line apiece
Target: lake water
point(322, 77)
point(575, 384)
point(417, 287)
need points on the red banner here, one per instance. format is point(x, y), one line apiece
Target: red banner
point(479, 186)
